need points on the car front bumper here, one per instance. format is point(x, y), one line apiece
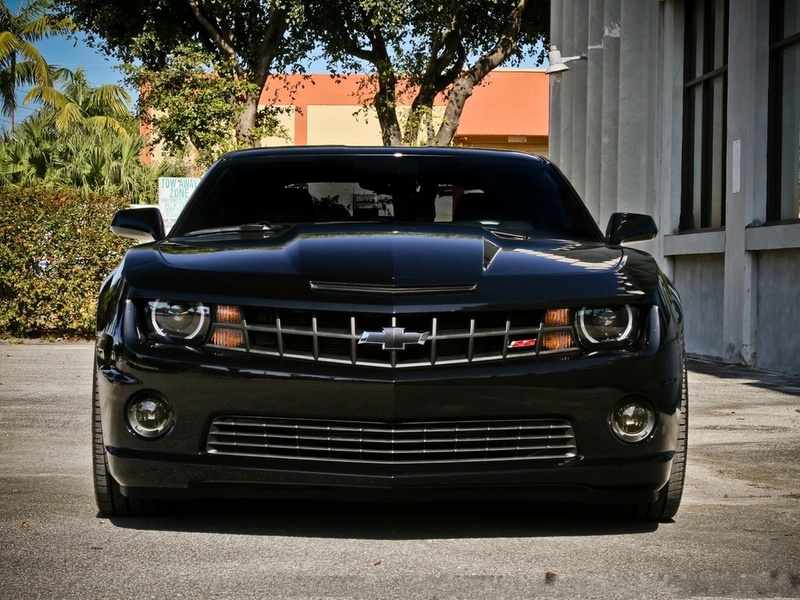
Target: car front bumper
point(583, 392)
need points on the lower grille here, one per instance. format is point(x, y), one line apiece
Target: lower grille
point(383, 443)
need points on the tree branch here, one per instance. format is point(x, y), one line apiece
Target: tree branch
point(225, 45)
point(268, 48)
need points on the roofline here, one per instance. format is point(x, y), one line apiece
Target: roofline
point(381, 151)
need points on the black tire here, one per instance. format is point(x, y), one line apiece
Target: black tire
point(669, 498)
point(107, 493)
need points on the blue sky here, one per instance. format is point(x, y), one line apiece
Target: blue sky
point(74, 53)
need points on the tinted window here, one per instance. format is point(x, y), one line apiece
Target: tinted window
point(512, 194)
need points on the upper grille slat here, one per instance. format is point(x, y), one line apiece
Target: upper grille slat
point(452, 338)
point(406, 443)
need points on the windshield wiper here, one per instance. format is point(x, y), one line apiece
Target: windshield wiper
point(262, 227)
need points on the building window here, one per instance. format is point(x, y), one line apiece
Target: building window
point(783, 175)
point(705, 109)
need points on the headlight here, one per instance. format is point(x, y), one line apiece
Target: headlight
point(607, 326)
point(179, 320)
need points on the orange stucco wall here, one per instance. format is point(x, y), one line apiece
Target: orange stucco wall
point(509, 103)
point(512, 103)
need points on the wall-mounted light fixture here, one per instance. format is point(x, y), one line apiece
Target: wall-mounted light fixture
point(557, 65)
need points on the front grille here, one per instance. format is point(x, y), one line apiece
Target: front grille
point(400, 341)
point(396, 443)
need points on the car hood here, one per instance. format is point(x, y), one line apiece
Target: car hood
point(470, 265)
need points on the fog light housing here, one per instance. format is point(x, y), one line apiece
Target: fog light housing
point(150, 415)
point(633, 420)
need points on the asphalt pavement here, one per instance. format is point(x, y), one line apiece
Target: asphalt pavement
point(737, 534)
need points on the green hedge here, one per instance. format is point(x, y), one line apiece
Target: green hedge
point(56, 248)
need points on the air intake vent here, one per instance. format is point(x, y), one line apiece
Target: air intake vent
point(403, 443)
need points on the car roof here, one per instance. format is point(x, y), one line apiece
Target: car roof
point(431, 151)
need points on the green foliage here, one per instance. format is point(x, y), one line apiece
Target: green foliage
point(85, 158)
point(84, 138)
point(243, 42)
point(21, 63)
point(421, 48)
point(105, 107)
point(56, 248)
point(148, 31)
point(195, 101)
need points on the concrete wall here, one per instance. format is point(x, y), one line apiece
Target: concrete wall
point(603, 111)
point(777, 340)
point(616, 131)
point(698, 280)
point(348, 125)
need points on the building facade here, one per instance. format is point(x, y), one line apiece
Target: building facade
point(690, 110)
point(509, 110)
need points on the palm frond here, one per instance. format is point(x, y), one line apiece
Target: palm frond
point(8, 44)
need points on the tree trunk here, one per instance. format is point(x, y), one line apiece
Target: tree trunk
point(421, 111)
point(268, 49)
point(444, 66)
point(386, 106)
point(465, 84)
point(247, 121)
point(461, 92)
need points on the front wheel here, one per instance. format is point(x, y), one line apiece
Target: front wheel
point(666, 505)
point(107, 492)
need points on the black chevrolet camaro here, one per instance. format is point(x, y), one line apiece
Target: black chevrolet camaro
point(388, 323)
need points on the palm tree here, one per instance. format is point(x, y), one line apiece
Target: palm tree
point(26, 157)
point(87, 157)
point(20, 62)
point(77, 102)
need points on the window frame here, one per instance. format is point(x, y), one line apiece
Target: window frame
point(778, 44)
point(704, 84)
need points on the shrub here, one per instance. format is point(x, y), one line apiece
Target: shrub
point(56, 248)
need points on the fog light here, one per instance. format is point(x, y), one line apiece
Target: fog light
point(150, 416)
point(633, 421)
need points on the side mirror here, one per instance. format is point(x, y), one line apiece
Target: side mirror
point(143, 224)
point(630, 227)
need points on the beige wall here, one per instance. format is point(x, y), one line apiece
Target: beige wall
point(342, 125)
point(286, 120)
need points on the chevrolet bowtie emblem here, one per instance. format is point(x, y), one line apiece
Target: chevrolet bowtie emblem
point(393, 338)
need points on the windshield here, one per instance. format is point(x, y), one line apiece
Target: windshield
point(525, 196)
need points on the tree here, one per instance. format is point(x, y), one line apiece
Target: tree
point(251, 38)
point(189, 105)
point(86, 156)
point(25, 156)
point(105, 106)
point(419, 47)
point(20, 62)
point(424, 48)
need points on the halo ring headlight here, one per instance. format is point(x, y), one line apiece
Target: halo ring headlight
point(182, 320)
point(606, 325)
